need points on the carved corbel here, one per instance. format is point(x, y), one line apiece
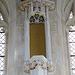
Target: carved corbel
point(38, 61)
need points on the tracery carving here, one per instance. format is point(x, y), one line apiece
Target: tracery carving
point(37, 18)
point(38, 61)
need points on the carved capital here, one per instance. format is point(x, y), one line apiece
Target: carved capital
point(38, 61)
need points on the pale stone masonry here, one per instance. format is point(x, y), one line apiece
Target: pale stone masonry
point(17, 17)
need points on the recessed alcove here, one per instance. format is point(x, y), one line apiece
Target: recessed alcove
point(37, 39)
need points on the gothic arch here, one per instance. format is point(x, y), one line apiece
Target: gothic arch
point(11, 6)
point(4, 23)
point(71, 21)
point(68, 9)
point(4, 10)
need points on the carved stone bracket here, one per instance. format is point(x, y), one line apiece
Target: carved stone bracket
point(38, 61)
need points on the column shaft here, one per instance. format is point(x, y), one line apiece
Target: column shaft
point(47, 36)
point(38, 71)
point(27, 37)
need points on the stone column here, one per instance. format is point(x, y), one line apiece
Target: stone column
point(26, 37)
point(32, 7)
point(47, 36)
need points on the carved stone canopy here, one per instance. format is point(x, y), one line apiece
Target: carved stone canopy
point(36, 9)
point(38, 61)
point(26, 3)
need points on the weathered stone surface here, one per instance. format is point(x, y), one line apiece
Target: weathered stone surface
point(14, 18)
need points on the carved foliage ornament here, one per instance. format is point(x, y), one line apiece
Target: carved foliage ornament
point(38, 61)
